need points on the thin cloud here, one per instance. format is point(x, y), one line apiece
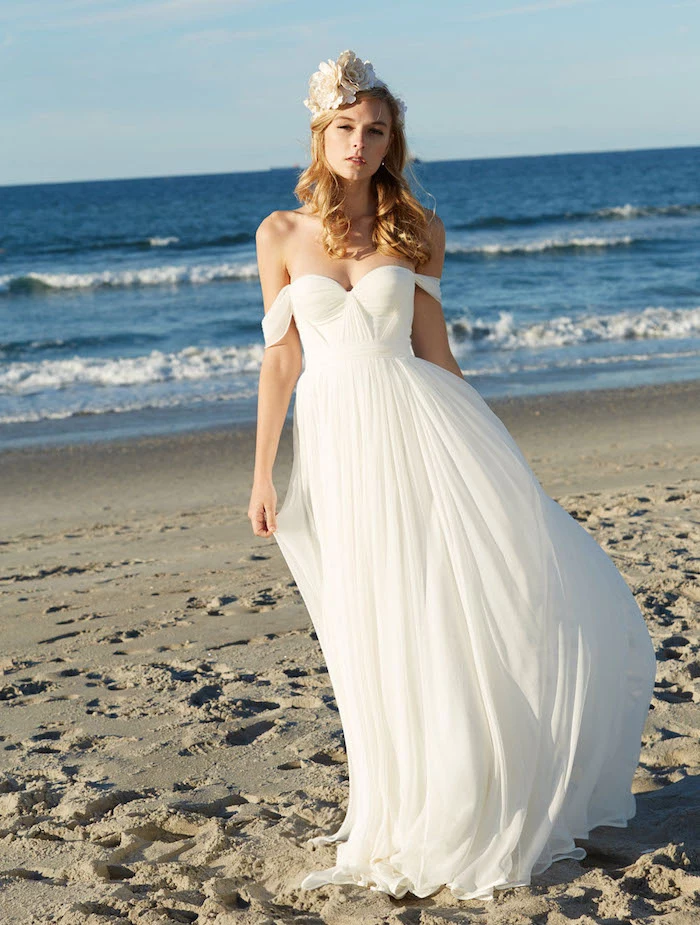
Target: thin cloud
point(36, 12)
point(163, 8)
point(208, 37)
point(530, 8)
point(30, 9)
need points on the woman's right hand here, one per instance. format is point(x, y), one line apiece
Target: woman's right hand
point(262, 510)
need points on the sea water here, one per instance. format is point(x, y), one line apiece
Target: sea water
point(133, 306)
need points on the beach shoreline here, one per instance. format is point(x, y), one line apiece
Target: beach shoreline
point(552, 429)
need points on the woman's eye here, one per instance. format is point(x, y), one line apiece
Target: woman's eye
point(375, 130)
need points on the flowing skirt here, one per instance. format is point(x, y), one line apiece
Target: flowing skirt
point(491, 667)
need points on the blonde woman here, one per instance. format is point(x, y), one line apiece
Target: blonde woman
point(491, 667)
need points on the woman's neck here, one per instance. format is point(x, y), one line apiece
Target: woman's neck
point(360, 201)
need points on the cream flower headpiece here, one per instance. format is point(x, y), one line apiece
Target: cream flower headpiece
point(337, 82)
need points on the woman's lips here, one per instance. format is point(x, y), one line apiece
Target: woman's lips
point(357, 160)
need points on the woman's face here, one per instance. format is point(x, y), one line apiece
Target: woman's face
point(361, 130)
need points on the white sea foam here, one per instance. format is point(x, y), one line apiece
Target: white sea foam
point(542, 245)
point(508, 334)
point(57, 405)
point(163, 242)
point(514, 368)
point(93, 404)
point(201, 363)
point(191, 363)
point(629, 211)
point(626, 211)
point(144, 276)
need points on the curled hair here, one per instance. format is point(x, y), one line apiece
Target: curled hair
point(400, 227)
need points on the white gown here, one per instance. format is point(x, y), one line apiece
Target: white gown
point(491, 667)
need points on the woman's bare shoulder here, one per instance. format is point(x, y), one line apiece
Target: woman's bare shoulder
point(434, 221)
point(436, 229)
point(436, 237)
point(279, 234)
point(274, 224)
point(277, 227)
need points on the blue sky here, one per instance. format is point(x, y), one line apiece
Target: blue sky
point(98, 89)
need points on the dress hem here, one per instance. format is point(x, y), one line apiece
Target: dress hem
point(336, 876)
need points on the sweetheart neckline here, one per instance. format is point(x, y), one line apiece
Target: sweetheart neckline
point(384, 266)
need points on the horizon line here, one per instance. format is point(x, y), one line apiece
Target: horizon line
point(414, 158)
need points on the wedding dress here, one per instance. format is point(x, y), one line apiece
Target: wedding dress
point(491, 667)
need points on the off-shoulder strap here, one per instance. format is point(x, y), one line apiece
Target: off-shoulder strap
point(431, 284)
point(277, 318)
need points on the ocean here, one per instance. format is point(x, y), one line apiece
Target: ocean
point(133, 307)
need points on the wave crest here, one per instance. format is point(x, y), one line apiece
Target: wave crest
point(566, 330)
point(541, 246)
point(170, 274)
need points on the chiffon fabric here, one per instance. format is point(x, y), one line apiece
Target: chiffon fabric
point(491, 667)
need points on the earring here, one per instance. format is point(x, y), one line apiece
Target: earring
point(382, 163)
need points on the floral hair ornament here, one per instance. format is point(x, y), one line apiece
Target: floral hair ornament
point(338, 82)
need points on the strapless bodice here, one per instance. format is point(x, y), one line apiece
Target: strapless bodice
point(373, 319)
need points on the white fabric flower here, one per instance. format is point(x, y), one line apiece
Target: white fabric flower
point(336, 83)
point(324, 88)
point(355, 74)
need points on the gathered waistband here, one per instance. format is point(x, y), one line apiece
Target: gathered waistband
point(366, 350)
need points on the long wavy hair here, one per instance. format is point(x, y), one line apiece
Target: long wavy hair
point(400, 227)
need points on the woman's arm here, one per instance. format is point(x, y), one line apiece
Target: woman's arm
point(429, 333)
point(279, 371)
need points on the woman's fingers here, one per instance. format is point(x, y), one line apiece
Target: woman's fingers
point(264, 519)
point(271, 517)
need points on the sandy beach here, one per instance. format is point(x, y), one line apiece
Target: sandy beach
point(170, 738)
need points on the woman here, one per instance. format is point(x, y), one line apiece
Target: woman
point(491, 667)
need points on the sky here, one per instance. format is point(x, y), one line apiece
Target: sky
point(107, 89)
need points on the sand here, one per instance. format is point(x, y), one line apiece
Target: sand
point(169, 734)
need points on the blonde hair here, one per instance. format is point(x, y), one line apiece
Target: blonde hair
point(401, 224)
